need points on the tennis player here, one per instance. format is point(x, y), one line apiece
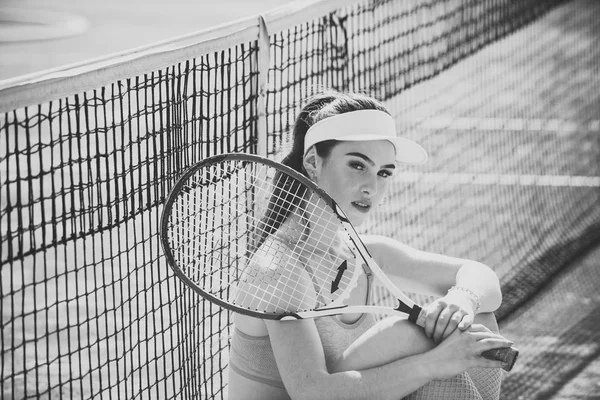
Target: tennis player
point(347, 144)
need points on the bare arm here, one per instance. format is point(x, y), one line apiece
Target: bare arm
point(301, 363)
point(433, 274)
point(418, 271)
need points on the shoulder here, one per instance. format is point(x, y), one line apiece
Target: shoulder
point(275, 281)
point(384, 248)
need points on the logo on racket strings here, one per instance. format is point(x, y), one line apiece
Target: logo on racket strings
point(335, 284)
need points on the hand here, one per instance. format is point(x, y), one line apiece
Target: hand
point(454, 311)
point(462, 350)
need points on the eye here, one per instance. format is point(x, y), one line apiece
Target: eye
point(384, 173)
point(357, 165)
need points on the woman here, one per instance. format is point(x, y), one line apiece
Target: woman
point(346, 143)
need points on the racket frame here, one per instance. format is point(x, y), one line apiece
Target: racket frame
point(405, 305)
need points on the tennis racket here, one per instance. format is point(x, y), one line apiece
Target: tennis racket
point(258, 238)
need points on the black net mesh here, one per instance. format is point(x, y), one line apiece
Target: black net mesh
point(89, 307)
point(504, 95)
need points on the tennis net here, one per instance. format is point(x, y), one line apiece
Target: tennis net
point(502, 94)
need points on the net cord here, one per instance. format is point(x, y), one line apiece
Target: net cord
point(57, 83)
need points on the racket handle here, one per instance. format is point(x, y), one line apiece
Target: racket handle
point(417, 316)
point(507, 354)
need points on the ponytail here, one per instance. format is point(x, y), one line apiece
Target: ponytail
point(318, 107)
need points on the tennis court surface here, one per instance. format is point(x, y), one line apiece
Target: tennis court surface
point(504, 95)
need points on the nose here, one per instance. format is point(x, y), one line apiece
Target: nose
point(369, 187)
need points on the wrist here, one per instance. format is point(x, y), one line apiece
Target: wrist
point(428, 366)
point(472, 296)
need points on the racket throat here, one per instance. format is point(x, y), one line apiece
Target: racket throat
point(335, 284)
point(413, 312)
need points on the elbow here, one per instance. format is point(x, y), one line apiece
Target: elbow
point(308, 387)
point(323, 385)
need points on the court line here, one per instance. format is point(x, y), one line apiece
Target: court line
point(500, 179)
point(501, 124)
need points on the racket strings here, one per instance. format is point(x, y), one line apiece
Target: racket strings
point(287, 200)
point(296, 293)
point(205, 221)
point(282, 203)
point(312, 215)
point(229, 213)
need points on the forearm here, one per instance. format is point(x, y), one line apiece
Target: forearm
point(394, 380)
point(434, 274)
point(361, 371)
point(482, 281)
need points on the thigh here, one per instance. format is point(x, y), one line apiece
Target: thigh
point(388, 340)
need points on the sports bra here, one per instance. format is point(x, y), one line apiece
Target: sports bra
point(253, 358)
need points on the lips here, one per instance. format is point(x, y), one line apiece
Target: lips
point(362, 206)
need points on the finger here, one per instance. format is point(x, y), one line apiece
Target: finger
point(479, 336)
point(492, 343)
point(441, 324)
point(430, 320)
point(484, 334)
point(453, 324)
point(479, 328)
point(466, 322)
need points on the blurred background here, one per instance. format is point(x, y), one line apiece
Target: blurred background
point(103, 27)
point(503, 94)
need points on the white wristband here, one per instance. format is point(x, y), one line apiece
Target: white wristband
point(470, 293)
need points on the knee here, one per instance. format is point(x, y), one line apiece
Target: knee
point(488, 320)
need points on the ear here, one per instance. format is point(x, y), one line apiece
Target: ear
point(312, 163)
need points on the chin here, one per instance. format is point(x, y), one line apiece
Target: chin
point(357, 220)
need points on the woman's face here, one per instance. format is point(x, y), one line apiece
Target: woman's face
point(356, 174)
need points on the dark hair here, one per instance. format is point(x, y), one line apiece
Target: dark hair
point(317, 108)
point(288, 191)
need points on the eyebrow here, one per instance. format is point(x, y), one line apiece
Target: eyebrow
point(369, 161)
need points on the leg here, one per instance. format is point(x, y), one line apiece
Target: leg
point(487, 380)
point(475, 383)
point(460, 387)
point(488, 320)
point(394, 338)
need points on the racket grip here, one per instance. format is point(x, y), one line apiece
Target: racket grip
point(417, 315)
point(507, 354)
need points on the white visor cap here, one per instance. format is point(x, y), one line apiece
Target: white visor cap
point(363, 125)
